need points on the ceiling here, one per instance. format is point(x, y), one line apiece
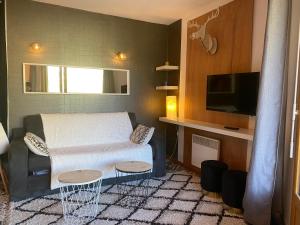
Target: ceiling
point(155, 11)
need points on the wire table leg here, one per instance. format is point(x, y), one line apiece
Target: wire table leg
point(133, 192)
point(80, 202)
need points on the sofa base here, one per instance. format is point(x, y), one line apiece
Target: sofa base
point(47, 191)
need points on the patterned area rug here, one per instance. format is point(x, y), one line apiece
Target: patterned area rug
point(175, 199)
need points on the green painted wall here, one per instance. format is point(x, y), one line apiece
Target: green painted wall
point(79, 38)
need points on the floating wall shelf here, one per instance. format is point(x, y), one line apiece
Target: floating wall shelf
point(165, 88)
point(167, 68)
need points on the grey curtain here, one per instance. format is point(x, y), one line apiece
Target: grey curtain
point(268, 147)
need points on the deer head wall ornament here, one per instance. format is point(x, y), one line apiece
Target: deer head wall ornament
point(209, 43)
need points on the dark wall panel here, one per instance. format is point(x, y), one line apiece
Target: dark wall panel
point(75, 37)
point(3, 67)
point(174, 50)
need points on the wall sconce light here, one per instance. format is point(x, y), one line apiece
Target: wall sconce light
point(35, 46)
point(171, 106)
point(121, 56)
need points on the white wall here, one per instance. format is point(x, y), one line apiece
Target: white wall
point(259, 21)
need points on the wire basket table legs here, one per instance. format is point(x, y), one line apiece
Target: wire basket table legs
point(133, 192)
point(80, 202)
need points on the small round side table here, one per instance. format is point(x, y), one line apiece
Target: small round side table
point(136, 189)
point(80, 193)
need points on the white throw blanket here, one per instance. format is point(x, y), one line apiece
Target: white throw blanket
point(90, 141)
point(80, 129)
point(99, 157)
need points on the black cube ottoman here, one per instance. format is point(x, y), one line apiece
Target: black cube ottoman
point(211, 175)
point(233, 188)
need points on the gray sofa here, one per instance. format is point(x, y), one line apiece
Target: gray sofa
point(29, 174)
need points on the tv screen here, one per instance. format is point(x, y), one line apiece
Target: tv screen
point(233, 93)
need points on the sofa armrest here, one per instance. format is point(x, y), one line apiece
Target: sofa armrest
point(17, 168)
point(159, 157)
point(154, 145)
point(158, 151)
point(17, 133)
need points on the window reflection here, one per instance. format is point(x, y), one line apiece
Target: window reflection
point(53, 79)
point(81, 80)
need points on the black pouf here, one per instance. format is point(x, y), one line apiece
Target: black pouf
point(211, 175)
point(233, 188)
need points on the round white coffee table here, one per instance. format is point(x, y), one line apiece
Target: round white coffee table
point(80, 193)
point(132, 179)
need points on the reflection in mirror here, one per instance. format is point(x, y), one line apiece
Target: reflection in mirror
point(80, 80)
point(42, 79)
point(74, 80)
point(114, 82)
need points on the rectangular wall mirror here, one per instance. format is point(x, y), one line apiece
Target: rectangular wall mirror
point(57, 79)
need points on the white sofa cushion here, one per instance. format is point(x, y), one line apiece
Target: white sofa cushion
point(99, 157)
point(67, 130)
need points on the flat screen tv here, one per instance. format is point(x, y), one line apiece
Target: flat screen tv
point(233, 93)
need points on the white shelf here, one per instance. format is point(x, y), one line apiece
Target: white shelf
point(165, 88)
point(246, 134)
point(167, 68)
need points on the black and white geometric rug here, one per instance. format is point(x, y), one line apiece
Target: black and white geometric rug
point(175, 199)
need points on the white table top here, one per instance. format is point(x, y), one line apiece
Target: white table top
point(80, 177)
point(133, 167)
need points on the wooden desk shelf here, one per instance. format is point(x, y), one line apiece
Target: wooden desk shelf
point(246, 134)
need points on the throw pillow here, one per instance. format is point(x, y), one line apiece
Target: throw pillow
point(142, 134)
point(36, 144)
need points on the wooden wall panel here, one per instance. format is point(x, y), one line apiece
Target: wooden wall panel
point(233, 30)
point(242, 51)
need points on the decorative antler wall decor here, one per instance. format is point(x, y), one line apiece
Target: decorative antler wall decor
point(209, 43)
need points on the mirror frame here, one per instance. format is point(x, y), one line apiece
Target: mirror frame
point(64, 93)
